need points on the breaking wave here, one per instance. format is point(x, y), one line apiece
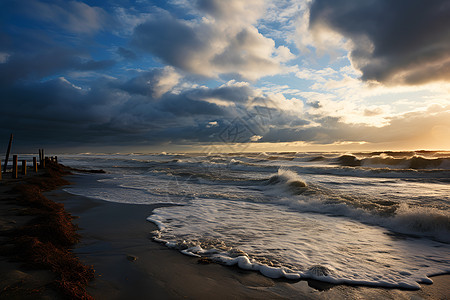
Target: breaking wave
point(422, 221)
point(396, 216)
point(289, 180)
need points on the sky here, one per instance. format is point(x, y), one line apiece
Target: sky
point(225, 76)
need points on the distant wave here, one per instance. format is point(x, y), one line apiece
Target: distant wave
point(317, 158)
point(414, 162)
point(349, 161)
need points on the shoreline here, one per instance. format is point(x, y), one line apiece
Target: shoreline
point(114, 231)
point(116, 241)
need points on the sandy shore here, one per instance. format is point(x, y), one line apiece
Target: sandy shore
point(16, 282)
point(37, 237)
point(116, 240)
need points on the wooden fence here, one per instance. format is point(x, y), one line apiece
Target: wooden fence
point(24, 166)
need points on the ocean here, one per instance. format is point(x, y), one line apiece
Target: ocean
point(375, 218)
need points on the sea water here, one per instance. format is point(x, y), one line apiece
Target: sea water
point(379, 218)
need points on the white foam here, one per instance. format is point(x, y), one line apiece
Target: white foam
point(423, 221)
point(301, 245)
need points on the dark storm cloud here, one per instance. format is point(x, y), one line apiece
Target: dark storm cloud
point(401, 41)
point(144, 84)
point(56, 111)
point(38, 65)
point(173, 40)
point(180, 105)
point(43, 39)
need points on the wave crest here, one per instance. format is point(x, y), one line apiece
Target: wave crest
point(288, 180)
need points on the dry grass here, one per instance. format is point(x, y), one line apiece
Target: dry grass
point(46, 241)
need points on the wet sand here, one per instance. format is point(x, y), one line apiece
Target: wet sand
point(116, 240)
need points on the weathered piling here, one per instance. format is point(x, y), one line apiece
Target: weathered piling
point(35, 166)
point(43, 160)
point(24, 167)
point(7, 152)
point(14, 172)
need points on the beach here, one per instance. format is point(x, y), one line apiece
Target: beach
point(16, 281)
point(37, 239)
point(116, 240)
point(225, 149)
point(112, 233)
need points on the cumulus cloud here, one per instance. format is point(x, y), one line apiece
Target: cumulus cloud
point(393, 42)
point(222, 40)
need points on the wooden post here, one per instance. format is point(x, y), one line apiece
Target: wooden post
point(35, 164)
point(41, 158)
point(14, 172)
point(56, 159)
point(24, 167)
point(7, 153)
